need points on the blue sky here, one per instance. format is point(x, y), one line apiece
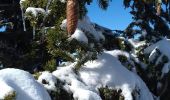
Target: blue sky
point(115, 17)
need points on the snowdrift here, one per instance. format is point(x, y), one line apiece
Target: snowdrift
point(105, 71)
point(22, 84)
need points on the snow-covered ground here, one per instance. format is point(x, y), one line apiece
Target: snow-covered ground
point(23, 84)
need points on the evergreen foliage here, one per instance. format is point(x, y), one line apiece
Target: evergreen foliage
point(51, 45)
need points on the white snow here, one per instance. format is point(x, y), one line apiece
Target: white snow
point(5, 89)
point(63, 24)
point(63, 1)
point(35, 11)
point(73, 84)
point(23, 83)
point(82, 94)
point(21, 2)
point(105, 71)
point(48, 77)
point(85, 25)
point(80, 36)
point(136, 44)
point(152, 55)
point(165, 69)
point(162, 45)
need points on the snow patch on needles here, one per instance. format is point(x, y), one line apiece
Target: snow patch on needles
point(74, 84)
point(49, 80)
point(35, 11)
point(23, 84)
point(80, 36)
point(136, 44)
point(162, 45)
point(21, 2)
point(86, 26)
point(164, 48)
point(107, 70)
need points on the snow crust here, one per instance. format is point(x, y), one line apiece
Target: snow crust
point(105, 71)
point(23, 83)
point(35, 11)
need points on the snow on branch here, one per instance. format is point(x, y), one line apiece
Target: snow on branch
point(35, 11)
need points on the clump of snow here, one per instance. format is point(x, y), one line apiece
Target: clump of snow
point(107, 70)
point(23, 83)
point(74, 84)
point(82, 94)
point(136, 44)
point(63, 24)
point(116, 53)
point(21, 2)
point(85, 25)
point(35, 11)
point(163, 46)
point(80, 36)
point(63, 1)
point(50, 81)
